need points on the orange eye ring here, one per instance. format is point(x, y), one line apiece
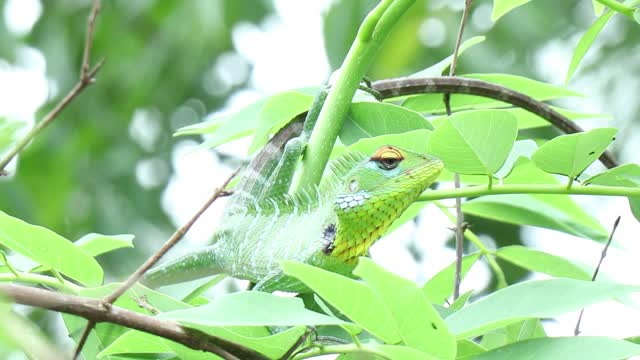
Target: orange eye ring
point(387, 157)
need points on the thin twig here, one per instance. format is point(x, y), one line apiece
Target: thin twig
point(83, 338)
point(173, 240)
point(95, 311)
point(447, 104)
point(603, 254)
point(463, 22)
point(86, 78)
point(459, 241)
point(86, 57)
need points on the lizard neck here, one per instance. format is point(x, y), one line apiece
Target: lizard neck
point(361, 220)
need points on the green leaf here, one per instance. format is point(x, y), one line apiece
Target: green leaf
point(539, 261)
point(636, 15)
point(440, 287)
point(514, 332)
point(278, 112)
point(468, 349)
point(401, 352)
point(597, 7)
point(353, 298)
point(562, 348)
point(50, 249)
point(627, 175)
point(527, 329)
point(257, 338)
point(250, 308)
point(415, 319)
point(227, 127)
point(556, 212)
point(369, 119)
point(415, 141)
point(97, 244)
point(195, 293)
point(461, 301)
point(501, 7)
point(531, 299)
point(432, 103)
point(570, 154)
point(585, 43)
point(438, 68)
point(241, 123)
point(536, 210)
point(474, 142)
point(137, 342)
point(521, 148)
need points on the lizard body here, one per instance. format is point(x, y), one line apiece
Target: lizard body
point(328, 227)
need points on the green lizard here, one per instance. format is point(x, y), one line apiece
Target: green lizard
point(329, 227)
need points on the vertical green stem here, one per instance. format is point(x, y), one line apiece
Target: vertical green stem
point(374, 29)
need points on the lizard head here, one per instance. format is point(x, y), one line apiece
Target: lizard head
point(375, 193)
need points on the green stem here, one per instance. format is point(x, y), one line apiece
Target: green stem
point(481, 190)
point(488, 254)
point(57, 275)
point(374, 29)
point(6, 262)
point(570, 182)
point(37, 279)
point(341, 349)
point(618, 7)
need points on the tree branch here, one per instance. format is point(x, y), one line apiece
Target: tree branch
point(409, 86)
point(95, 311)
point(87, 77)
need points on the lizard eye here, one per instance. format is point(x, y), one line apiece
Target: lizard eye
point(388, 163)
point(387, 157)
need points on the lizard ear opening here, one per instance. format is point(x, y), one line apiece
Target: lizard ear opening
point(354, 185)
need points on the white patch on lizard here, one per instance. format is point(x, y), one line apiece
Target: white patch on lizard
point(349, 201)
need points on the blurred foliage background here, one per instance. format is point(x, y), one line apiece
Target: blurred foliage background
point(105, 163)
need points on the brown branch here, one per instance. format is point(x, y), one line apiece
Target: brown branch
point(95, 311)
point(603, 254)
point(87, 77)
point(411, 86)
